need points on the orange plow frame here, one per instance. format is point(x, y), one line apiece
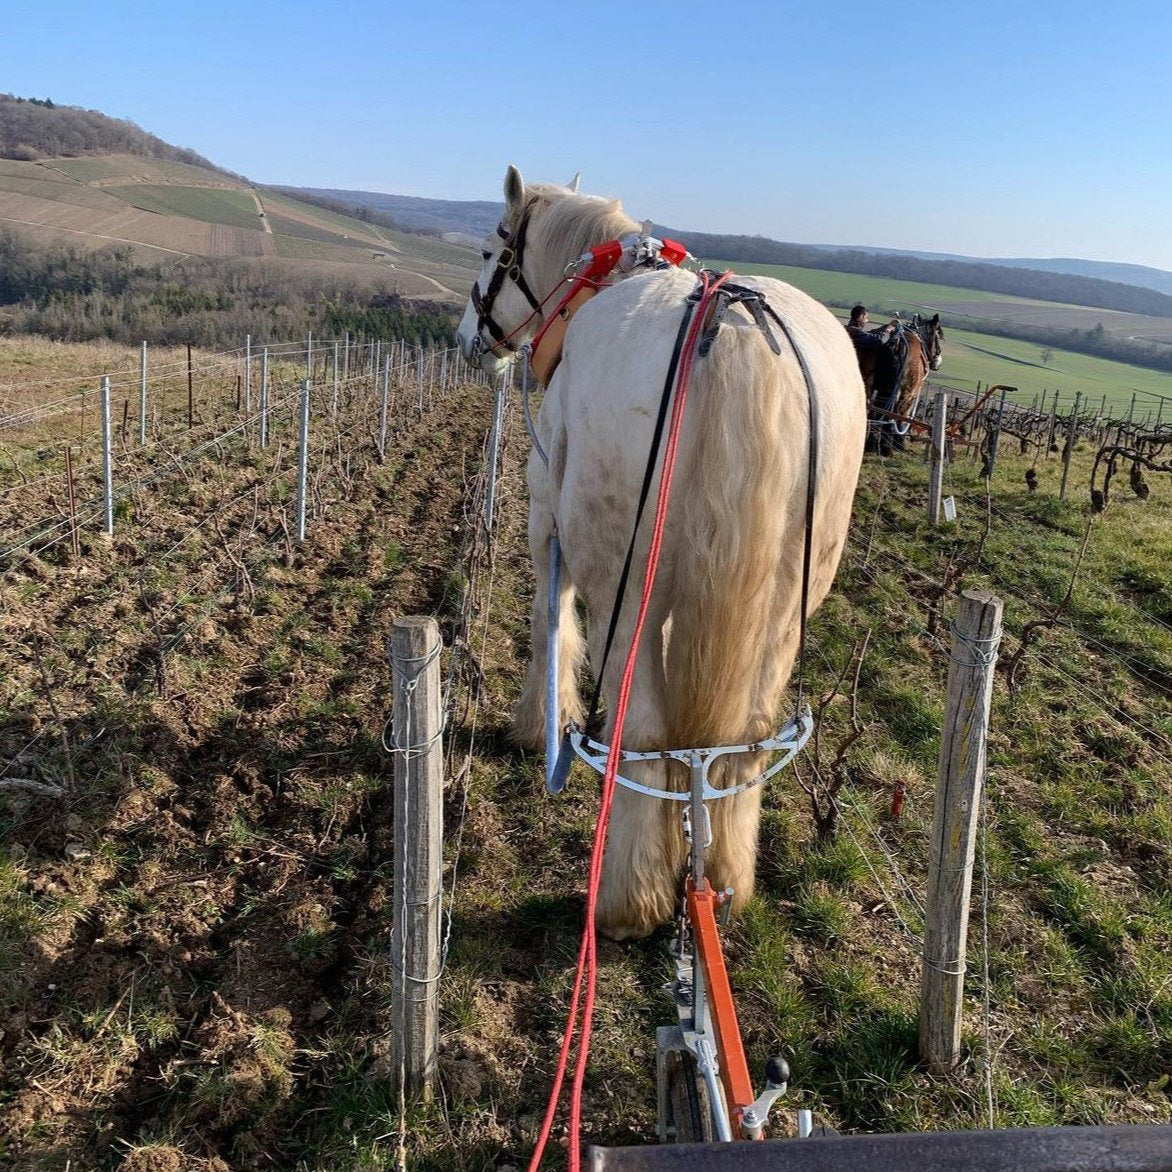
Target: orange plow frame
point(734, 1069)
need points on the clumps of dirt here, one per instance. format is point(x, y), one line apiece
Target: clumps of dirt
point(243, 1070)
point(164, 1157)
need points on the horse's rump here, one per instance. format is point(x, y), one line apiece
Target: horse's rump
point(732, 550)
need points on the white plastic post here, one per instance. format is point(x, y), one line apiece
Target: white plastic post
point(382, 415)
point(142, 395)
point(936, 481)
point(303, 462)
point(107, 456)
point(337, 383)
point(264, 398)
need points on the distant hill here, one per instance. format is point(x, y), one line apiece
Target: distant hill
point(38, 128)
point(462, 217)
point(1142, 275)
point(108, 231)
point(986, 276)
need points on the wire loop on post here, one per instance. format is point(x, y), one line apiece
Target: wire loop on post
point(984, 651)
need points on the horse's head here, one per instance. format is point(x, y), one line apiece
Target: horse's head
point(932, 336)
point(934, 341)
point(543, 228)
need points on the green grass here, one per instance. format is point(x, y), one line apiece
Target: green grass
point(285, 226)
point(299, 248)
point(212, 205)
point(330, 223)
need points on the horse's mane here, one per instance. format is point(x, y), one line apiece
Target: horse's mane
point(575, 223)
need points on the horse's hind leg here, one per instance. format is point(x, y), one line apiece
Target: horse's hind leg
point(731, 861)
point(529, 717)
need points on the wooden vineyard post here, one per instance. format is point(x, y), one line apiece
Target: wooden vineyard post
point(1068, 450)
point(418, 855)
point(995, 438)
point(936, 481)
point(959, 782)
point(303, 461)
point(74, 535)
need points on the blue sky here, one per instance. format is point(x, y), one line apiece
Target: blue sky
point(991, 129)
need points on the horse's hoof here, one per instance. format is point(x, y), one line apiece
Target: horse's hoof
point(620, 932)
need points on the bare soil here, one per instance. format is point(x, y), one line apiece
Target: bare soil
point(205, 905)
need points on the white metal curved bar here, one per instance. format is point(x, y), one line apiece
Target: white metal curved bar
point(788, 740)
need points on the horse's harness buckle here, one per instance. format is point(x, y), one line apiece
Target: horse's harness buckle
point(729, 295)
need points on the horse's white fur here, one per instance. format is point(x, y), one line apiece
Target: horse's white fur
point(722, 630)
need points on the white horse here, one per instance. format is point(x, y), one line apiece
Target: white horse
point(722, 631)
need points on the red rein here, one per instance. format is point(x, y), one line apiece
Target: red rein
point(587, 953)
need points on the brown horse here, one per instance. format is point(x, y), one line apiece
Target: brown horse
point(903, 368)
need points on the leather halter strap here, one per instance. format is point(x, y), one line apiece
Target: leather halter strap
point(508, 267)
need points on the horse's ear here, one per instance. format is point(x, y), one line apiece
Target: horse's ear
point(514, 189)
point(936, 320)
point(573, 183)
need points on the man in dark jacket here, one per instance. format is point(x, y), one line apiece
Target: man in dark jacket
point(863, 337)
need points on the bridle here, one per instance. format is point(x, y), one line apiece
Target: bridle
point(508, 267)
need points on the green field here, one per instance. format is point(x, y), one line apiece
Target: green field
point(970, 358)
point(286, 226)
point(212, 205)
point(304, 248)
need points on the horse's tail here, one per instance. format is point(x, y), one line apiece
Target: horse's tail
point(737, 579)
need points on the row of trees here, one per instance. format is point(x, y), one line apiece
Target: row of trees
point(79, 296)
